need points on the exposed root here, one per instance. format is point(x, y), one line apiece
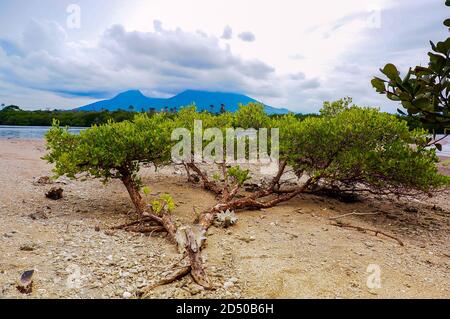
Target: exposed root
point(193, 250)
point(362, 229)
point(354, 214)
point(130, 224)
point(146, 229)
point(176, 275)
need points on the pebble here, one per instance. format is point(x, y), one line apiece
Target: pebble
point(127, 295)
point(228, 284)
point(369, 244)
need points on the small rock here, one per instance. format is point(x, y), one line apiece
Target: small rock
point(29, 247)
point(55, 193)
point(126, 295)
point(38, 215)
point(369, 244)
point(247, 239)
point(43, 180)
point(411, 209)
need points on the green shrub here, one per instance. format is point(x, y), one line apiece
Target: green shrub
point(251, 116)
point(113, 150)
point(361, 148)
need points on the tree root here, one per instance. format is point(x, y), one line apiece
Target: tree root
point(362, 229)
point(176, 275)
point(207, 183)
point(354, 214)
point(130, 224)
point(146, 229)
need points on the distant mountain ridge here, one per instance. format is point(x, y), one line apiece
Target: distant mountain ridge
point(204, 100)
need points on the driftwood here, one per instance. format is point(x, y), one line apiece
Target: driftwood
point(363, 229)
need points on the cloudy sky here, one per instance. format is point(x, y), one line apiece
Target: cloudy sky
point(286, 53)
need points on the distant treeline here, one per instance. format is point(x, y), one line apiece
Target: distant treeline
point(13, 115)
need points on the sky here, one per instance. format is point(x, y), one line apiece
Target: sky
point(286, 53)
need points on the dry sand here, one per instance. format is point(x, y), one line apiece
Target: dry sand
point(290, 251)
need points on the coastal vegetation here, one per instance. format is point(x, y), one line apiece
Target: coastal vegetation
point(14, 115)
point(348, 150)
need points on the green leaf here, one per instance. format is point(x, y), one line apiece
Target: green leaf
point(391, 72)
point(443, 47)
point(421, 103)
point(420, 71)
point(146, 190)
point(379, 85)
point(439, 147)
point(433, 46)
point(447, 22)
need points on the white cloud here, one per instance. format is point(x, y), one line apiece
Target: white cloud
point(227, 33)
point(163, 62)
point(247, 36)
point(306, 51)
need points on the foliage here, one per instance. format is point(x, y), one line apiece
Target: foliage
point(112, 150)
point(348, 147)
point(361, 147)
point(251, 116)
point(13, 115)
point(239, 175)
point(425, 91)
point(336, 107)
point(166, 201)
point(216, 177)
point(146, 190)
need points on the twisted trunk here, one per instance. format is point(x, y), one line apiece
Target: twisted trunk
point(133, 191)
point(192, 249)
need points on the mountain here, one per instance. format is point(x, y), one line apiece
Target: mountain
point(203, 100)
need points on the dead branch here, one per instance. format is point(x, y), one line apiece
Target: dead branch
point(362, 229)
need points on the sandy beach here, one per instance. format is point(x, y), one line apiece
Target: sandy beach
point(290, 251)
